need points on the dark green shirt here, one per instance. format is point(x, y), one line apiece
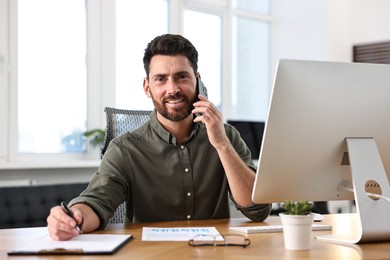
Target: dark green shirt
point(161, 180)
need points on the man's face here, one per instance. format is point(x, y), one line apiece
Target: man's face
point(172, 86)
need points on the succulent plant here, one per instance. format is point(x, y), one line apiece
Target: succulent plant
point(96, 136)
point(302, 207)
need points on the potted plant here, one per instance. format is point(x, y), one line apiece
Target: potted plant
point(297, 224)
point(95, 139)
point(96, 136)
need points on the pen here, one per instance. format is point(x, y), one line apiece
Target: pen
point(70, 214)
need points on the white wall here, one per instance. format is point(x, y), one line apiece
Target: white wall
point(299, 29)
point(326, 29)
point(369, 21)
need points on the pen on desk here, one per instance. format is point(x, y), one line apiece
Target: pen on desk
point(70, 214)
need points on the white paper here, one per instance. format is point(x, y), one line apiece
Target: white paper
point(176, 234)
point(96, 243)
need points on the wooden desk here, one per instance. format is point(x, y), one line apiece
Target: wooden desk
point(263, 246)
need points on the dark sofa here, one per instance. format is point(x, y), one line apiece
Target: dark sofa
point(29, 206)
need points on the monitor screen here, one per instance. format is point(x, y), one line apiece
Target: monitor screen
point(252, 134)
point(314, 106)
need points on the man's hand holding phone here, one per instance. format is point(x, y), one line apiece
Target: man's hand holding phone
point(208, 114)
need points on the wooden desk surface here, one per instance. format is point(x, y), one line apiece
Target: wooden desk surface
point(263, 246)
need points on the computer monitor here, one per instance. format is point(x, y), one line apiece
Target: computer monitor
point(252, 134)
point(327, 137)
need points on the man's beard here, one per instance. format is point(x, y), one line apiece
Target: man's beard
point(179, 113)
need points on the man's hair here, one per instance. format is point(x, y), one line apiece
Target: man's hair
point(171, 45)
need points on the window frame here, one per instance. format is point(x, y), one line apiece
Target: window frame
point(100, 61)
point(4, 80)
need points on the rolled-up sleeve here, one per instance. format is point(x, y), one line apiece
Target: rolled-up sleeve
point(255, 212)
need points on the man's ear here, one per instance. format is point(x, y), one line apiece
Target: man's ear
point(147, 88)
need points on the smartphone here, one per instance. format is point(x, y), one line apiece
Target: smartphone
point(201, 88)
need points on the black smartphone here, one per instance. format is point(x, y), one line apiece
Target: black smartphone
point(201, 88)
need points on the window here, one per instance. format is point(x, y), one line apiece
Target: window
point(251, 59)
point(259, 7)
point(51, 76)
point(63, 61)
point(251, 69)
point(209, 45)
point(130, 43)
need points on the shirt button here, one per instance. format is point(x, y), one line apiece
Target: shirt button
point(182, 147)
point(188, 216)
point(189, 194)
point(186, 170)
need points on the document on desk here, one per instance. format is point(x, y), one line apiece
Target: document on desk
point(95, 244)
point(176, 234)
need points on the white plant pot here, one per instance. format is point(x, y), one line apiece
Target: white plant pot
point(297, 231)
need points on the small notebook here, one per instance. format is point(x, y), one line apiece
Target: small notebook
point(274, 228)
point(79, 245)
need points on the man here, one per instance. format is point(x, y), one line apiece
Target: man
point(182, 164)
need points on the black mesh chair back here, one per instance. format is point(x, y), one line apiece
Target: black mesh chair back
point(118, 122)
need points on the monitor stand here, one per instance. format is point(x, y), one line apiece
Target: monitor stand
point(371, 189)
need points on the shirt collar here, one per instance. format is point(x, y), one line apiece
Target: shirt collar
point(167, 136)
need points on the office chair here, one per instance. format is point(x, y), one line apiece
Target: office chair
point(118, 122)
